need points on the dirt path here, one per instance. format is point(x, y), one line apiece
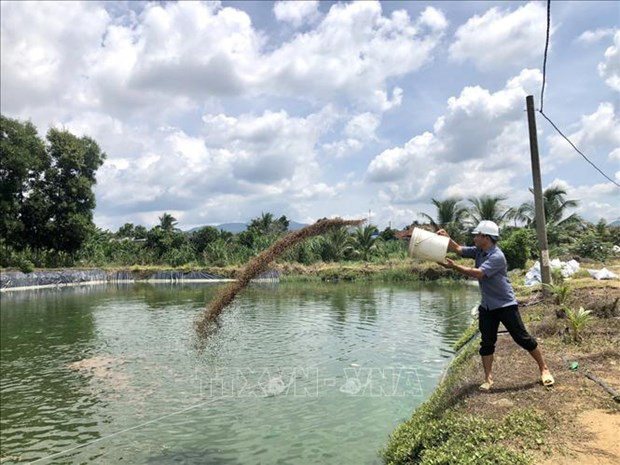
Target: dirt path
point(600, 444)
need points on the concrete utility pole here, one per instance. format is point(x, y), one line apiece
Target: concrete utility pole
point(541, 227)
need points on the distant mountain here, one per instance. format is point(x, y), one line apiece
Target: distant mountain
point(232, 227)
point(236, 228)
point(615, 223)
point(294, 225)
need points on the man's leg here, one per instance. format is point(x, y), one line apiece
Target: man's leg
point(511, 318)
point(488, 324)
point(487, 365)
point(542, 366)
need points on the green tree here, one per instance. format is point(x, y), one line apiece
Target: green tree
point(57, 212)
point(128, 230)
point(163, 242)
point(23, 158)
point(167, 222)
point(203, 237)
point(363, 240)
point(450, 216)
point(488, 207)
point(388, 234)
point(69, 186)
point(140, 232)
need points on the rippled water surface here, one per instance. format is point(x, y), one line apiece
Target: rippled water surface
point(297, 374)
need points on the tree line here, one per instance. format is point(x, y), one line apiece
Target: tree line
point(47, 203)
point(568, 234)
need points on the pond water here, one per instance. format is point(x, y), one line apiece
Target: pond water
point(297, 373)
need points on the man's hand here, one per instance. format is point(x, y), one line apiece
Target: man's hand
point(448, 264)
point(452, 246)
point(467, 271)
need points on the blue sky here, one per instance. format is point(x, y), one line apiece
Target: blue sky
point(216, 112)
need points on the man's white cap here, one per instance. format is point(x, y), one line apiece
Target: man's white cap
point(488, 228)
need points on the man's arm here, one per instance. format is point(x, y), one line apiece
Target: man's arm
point(466, 270)
point(452, 246)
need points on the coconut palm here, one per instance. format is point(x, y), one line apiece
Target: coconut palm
point(555, 206)
point(520, 214)
point(450, 216)
point(267, 224)
point(488, 207)
point(336, 243)
point(167, 222)
point(363, 240)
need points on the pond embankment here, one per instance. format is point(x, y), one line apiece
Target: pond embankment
point(396, 271)
point(519, 421)
point(16, 280)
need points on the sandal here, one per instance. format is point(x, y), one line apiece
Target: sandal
point(486, 386)
point(547, 380)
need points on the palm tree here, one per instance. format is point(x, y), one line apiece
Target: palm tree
point(336, 243)
point(520, 214)
point(363, 241)
point(167, 222)
point(262, 224)
point(267, 224)
point(488, 207)
point(450, 216)
point(555, 206)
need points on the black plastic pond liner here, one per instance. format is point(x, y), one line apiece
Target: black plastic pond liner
point(17, 279)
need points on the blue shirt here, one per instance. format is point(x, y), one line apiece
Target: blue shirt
point(494, 285)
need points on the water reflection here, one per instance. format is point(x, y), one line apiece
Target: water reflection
point(144, 332)
point(42, 333)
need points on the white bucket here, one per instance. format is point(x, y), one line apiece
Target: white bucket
point(428, 246)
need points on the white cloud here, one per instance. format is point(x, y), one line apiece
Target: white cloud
point(257, 158)
point(592, 36)
point(269, 148)
point(279, 105)
point(595, 133)
point(500, 38)
point(352, 52)
point(175, 55)
point(433, 18)
point(296, 13)
point(478, 146)
point(379, 100)
point(478, 125)
point(609, 69)
point(362, 126)
point(41, 57)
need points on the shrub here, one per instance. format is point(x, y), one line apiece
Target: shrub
point(516, 248)
point(25, 266)
point(556, 276)
point(590, 246)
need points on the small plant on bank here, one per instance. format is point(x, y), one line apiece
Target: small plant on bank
point(560, 291)
point(25, 266)
point(578, 320)
point(556, 276)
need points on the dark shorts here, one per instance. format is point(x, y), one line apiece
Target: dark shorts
point(489, 320)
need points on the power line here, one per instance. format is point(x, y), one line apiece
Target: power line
point(577, 150)
point(542, 91)
point(542, 95)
